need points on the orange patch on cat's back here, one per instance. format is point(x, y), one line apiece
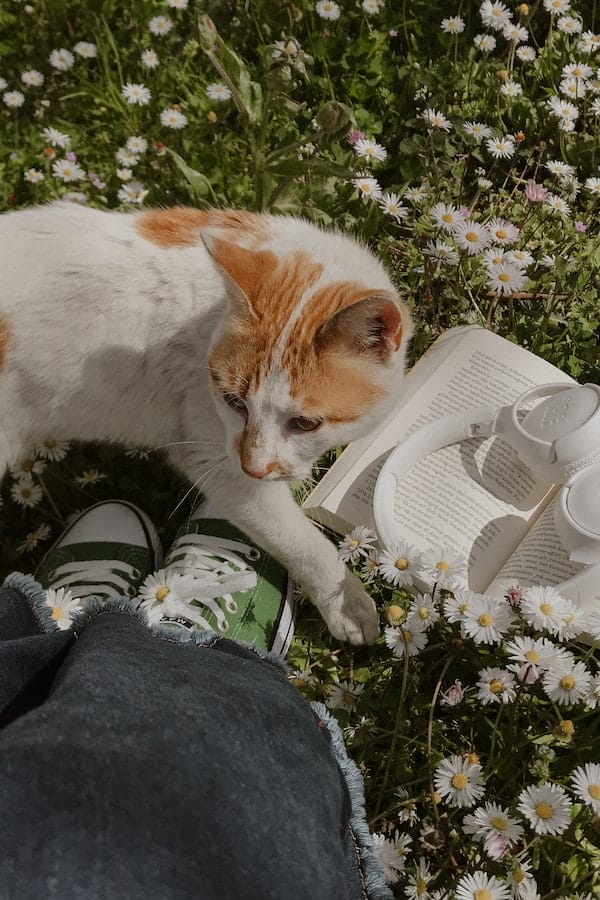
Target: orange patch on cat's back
point(6, 338)
point(180, 226)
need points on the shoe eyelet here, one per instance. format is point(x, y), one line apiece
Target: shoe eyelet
point(253, 554)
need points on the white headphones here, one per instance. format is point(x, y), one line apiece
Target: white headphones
point(559, 439)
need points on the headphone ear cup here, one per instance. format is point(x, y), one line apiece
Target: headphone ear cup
point(577, 515)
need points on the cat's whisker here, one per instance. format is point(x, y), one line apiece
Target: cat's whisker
point(196, 484)
point(176, 443)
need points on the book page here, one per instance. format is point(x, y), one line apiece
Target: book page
point(540, 558)
point(476, 498)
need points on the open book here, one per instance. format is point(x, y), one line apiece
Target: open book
point(476, 498)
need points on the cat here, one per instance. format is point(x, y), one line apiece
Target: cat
point(251, 343)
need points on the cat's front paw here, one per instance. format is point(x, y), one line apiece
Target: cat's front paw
point(350, 614)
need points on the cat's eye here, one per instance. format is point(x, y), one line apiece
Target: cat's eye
point(234, 402)
point(301, 423)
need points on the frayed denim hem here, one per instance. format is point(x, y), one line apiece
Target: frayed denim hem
point(35, 595)
point(372, 870)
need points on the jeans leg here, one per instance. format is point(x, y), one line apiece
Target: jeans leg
point(158, 769)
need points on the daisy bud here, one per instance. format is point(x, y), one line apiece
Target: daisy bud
point(565, 726)
point(520, 136)
point(472, 758)
point(211, 117)
point(502, 74)
point(394, 614)
point(523, 9)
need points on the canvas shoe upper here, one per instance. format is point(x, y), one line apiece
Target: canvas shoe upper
point(216, 577)
point(106, 552)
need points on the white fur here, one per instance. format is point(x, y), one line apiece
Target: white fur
point(110, 341)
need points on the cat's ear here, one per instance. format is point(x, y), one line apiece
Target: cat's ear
point(248, 269)
point(377, 325)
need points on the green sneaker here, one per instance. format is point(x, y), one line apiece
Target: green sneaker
point(215, 577)
point(106, 552)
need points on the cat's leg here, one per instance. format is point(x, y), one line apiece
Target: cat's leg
point(267, 512)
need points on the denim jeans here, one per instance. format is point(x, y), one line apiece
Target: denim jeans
point(143, 764)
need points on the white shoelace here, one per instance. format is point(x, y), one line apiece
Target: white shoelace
point(107, 578)
point(204, 564)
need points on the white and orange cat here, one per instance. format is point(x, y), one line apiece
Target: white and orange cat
point(252, 343)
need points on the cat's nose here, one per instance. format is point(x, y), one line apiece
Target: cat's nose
point(258, 473)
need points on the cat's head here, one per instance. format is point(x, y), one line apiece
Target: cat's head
point(311, 351)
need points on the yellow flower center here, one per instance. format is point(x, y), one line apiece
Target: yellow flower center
point(463, 607)
point(459, 781)
point(501, 234)
point(57, 613)
point(353, 544)
point(424, 612)
point(472, 236)
point(442, 566)
point(421, 887)
point(448, 217)
point(546, 609)
point(499, 823)
point(567, 682)
point(518, 876)
point(496, 686)
point(532, 656)
point(401, 563)
point(594, 791)
point(482, 894)
point(504, 277)
point(485, 620)
point(543, 810)
point(162, 593)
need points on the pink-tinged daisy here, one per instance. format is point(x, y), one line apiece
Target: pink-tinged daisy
point(453, 694)
point(480, 886)
point(477, 130)
point(546, 808)
point(446, 216)
point(494, 14)
point(136, 94)
point(32, 78)
point(502, 147)
point(459, 781)
point(328, 9)
point(62, 605)
point(160, 25)
point(150, 59)
point(62, 59)
point(218, 91)
point(358, 542)
point(173, 118)
point(343, 695)
point(391, 853)
point(441, 252)
point(390, 204)
point(491, 818)
point(436, 119)
point(506, 278)
point(368, 187)
point(370, 150)
point(495, 686)
point(502, 232)
point(13, 99)
point(567, 685)
point(487, 619)
point(410, 638)
point(585, 783)
point(485, 42)
point(536, 193)
point(68, 171)
point(453, 25)
point(86, 50)
point(471, 236)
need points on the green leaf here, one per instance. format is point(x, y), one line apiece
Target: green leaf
point(199, 183)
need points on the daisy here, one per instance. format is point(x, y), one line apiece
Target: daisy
point(368, 187)
point(137, 144)
point(492, 819)
point(390, 204)
point(177, 4)
point(423, 609)
point(574, 621)
point(557, 205)
point(567, 685)
point(573, 87)
point(53, 450)
point(418, 882)
point(502, 232)
point(585, 782)
point(559, 168)
point(218, 91)
point(453, 25)
point(75, 197)
point(32, 78)
point(369, 568)
point(56, 138)
point(344, 695)
point(511, 88)
point(172, 118)
point(526, 53)
point(494, 257)
point(477, 130)
point(62, 604)
point(132, 193)
point(391, 853)
point(485, 42)
point(399, 563)
point(90, 476)
point(408, 810)
point(33, 538)
point(436, 119)
point(471, 236)
point(577, 70)
point(409, 638)
point(370, 150)
point(160, 25)
point(126, 157)
point(547, 808)
point(33, 176)
point(557, 6)
point(446, 216)
point(13, 99)
point(453, 695)
point(569, 25)
point(441, 252)
point(501, 148)
point(459, 781)
point(589, 42)
point(61, 59)
point(543, 607)
point(158, 586)
point(136, 94)
point(286, 49)
point(68, 171)
point(85, 49)
point(372, 7)
point(455, 607)
point(494, 14)
point(562, 109)
point(495, 686)
point(515, 33)
point(27, 467)
point(529, 651)
point(149, 59)
point(328, 9)
point(478, 886)
point(3, 83)
point(358, 542)
point(415, 194)
point(592, 185)
point(521, 258)
point(26, 493)
point(487, 620)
